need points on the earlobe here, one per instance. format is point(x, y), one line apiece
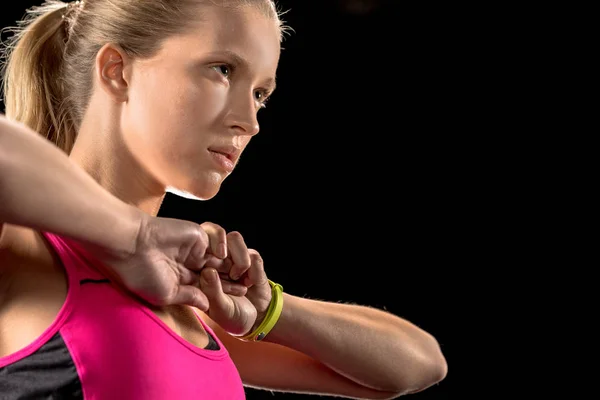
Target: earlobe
point(110, 63)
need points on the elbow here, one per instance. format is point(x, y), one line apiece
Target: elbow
point(424, 377)
point(429, 368)
point(436, 371)
point(437, 368)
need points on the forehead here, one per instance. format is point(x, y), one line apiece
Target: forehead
point(244, 31)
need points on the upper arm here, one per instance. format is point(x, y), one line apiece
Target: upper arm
point(269, 366)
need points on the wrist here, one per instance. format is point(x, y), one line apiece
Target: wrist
point(122, 242)
point(132, 221)
point(265, 323)
point(260, 317)
point(281, 331)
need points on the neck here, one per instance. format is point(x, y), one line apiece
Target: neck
point(101, 152)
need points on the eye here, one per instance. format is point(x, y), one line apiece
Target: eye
point(223, 69)
point(261, 97)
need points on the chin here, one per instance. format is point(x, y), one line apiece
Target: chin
point(203, 195)
point(202, 186)
point(183, 193)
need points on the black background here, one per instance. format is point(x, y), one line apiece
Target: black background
point(362, 186)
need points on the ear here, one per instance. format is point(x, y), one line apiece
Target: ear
point(111, 67)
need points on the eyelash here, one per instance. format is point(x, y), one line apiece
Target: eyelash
point(231, 68)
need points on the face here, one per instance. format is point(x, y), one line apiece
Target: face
point(192, 109)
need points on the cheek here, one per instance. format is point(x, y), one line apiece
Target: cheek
point(157, 115)
point(199, 105)
point(189, 117)
point(147, 123)
point(169, 124)
point(189, 108)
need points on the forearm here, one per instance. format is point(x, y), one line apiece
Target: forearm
point(373, 348)
point(41, 188)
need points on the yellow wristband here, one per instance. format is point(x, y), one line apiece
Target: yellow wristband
point(272, 316)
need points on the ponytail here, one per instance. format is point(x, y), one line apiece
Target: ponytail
point(48, 66)
point(32, 74)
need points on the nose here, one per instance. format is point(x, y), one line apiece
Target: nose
point(243, 116)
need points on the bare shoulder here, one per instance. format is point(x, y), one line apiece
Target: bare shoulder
point(23, 251)
point(21, 241)
point(24, 258)
point(32, 287)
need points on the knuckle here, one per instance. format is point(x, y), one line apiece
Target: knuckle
point(257, 259)
point(207, 225)
point(235, 235)
point(202, 239)
point(211, 227)
point(195, 250)
point(195, 298)
point(245, 265)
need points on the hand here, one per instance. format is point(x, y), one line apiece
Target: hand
point(168, 257)
point(236, 312)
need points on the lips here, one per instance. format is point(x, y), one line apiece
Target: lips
point(231, 152)
point(228, 155)
point(225, 157)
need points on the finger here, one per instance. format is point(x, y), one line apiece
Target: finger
point(256, 274)
point(187, 277)
point(217, 238)
point(191, 296)
point(222, 266)
point(233, 288)
point(198, 254)
point(210, 284)
point(238, 251)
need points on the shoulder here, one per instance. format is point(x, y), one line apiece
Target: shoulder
point(32, 288)
point(20, 246)
point(24, 255)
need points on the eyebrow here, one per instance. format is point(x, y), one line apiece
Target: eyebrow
point(239, 60)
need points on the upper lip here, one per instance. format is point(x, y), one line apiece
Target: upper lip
point(231, 152)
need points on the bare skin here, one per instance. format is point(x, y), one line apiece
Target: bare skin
point(162, 122)
point(135, 143)
point(33, 297)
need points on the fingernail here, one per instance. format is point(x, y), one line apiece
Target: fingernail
point(214, 276)
point(211, 276)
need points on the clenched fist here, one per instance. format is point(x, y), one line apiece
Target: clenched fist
point(164, 267)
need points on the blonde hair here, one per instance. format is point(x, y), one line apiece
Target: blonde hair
point(46, 65)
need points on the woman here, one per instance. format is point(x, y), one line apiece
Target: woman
point(99, 297)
